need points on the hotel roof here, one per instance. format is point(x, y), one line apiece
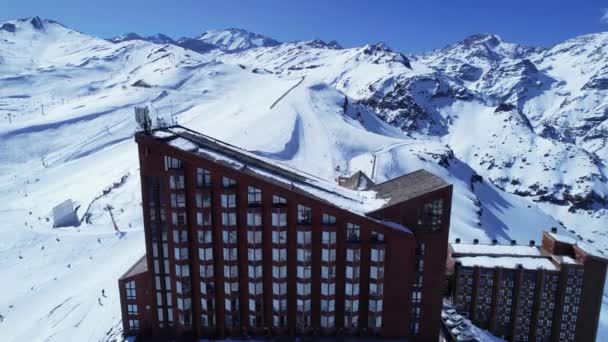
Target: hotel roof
point(506, 250)
point(528, 263)
point(139, 267)
point(582, 245)
point(359, 202)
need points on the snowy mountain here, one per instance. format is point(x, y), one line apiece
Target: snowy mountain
point(158, 38)
point(235, 40)
point(520, 132)
point(229, 40)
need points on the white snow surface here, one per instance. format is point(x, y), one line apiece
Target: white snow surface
point(507, 262)
point(518, 250)
point(70, 97)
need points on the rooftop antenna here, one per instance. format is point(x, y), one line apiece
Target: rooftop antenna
point(142, 117)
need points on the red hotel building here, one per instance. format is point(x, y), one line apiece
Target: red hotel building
point(238, 244)
point(528, 293)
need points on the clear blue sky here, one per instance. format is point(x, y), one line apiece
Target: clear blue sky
point(406, 25)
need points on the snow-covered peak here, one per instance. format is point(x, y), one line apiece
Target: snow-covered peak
point(158, 38)
point(235, 40)
point(320, 44)
point(125, 37)
point(480, 51)
point(28, 24)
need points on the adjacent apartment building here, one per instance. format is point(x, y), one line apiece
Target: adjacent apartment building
point(529, 293)
point(238, 244)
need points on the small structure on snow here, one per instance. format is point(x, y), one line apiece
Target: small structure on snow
point(64, 215)
point(357, 181)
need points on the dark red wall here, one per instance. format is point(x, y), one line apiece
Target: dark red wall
point(400, 249)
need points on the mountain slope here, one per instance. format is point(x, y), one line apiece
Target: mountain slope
point(332, 111)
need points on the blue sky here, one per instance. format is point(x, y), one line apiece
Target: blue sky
point(406, 25)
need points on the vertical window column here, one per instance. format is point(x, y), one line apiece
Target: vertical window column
point(204, 231)
point(179, 229)
point(160, 249)
point(351, 290)
point(230, 253)
point(328, 271)
point(376, 282)
point(544, 319)
point(304, 267)
point(132, 306)
point(254, 250)
point(417, 287)
point(279, 262)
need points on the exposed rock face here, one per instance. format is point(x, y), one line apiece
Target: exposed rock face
point(8, 27)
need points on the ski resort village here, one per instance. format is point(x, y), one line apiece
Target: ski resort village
point(230, 186)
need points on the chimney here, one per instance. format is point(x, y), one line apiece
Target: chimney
point(554, 230)
point(457, 240)
point(513, 242)
point(475, 241)
point(532, 243)
point(494, 242)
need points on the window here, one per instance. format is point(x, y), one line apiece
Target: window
point(203, 219)
point(134, 324)
point(203, 200)
point(352, 232)
point(203, 178)
point(278, 201)
point(205, 254)
point(431, 214)
point(304, 215)
point(254, 219)
point(180, 236)
point(132, 309)
point(228, 182)
point(176, 182)
point(178, 200)
point(353, 255)
point(279, 219)
point(328, 255)
point(279, 272)
point(254, 237)
point(206, 271)
point(130, 286)
point(173, 163)
point(181, 253)
point(304, 272)
point(377, 255)
point(228, 219)
point(328, 237)
point(254, 196)
point(304, 237)
point(376, 236)
point(254, 254)
point(279, 254)
point(228, 201)
point(327, 219)
point(230, 254)
point(178, 218)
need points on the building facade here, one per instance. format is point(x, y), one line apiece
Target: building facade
point(241, 245)
point(527, 293)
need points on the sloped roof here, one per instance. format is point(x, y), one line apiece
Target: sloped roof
point(408, 186)
point(357, 201)
point(140, 266)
